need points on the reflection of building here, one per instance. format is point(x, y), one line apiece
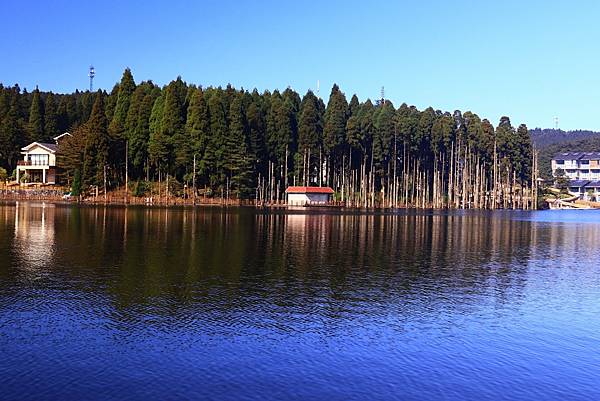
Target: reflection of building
point(39, 162)
point(296, 222)
point(34, 233)
point(308, 195)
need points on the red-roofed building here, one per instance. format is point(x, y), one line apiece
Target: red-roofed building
point(300, 196)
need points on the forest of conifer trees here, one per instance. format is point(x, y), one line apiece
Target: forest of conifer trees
point(253, 145)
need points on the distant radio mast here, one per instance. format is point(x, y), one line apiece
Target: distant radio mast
point(382, 95)
point(555, 122)
point(92, 74)
point(318, 87)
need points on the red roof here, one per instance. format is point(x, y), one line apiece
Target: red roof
point(309, 190)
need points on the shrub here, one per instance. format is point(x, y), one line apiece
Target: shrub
point(76, 187)
point(175, 188)
point(561, 180)
point(25, 177)
point(140, 188)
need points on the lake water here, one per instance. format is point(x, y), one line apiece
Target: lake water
point(134, 303)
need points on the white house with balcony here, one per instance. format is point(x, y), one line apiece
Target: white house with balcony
point(39, 162)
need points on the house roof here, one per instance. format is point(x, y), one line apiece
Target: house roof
point(577, 156)
point(567, 156)
point(590, 156)
point(578, 183)
point(52, 147)
point(309, 190)
point(56, 138)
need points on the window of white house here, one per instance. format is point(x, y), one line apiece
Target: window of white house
point(38, 160)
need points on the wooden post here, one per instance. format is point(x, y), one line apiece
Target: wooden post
point(320, 167)
point(285, 180)
point(307, 181)
point(126, 171)
point(104, 183)
point(194, 179)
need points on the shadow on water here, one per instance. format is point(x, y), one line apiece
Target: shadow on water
point(139, 255)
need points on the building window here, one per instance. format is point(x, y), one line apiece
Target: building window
point(38, 160)
point(560, 162)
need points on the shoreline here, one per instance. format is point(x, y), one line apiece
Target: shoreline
point(56, 195)
point(115, 202)
point(282, 207)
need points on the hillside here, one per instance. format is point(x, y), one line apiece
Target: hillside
point(548, 136)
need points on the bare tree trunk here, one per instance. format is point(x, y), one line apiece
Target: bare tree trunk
point(105, 195)
point(126, 171)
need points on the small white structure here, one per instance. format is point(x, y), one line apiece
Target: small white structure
point(39, 161)
point(300, 196)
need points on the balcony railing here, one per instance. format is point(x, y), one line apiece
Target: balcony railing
point(30, 163)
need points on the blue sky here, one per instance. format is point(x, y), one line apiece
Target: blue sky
point(530, 60)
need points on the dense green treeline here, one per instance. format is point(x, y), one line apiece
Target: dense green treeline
point(245, 142)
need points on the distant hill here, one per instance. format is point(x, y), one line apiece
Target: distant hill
point(547, 136)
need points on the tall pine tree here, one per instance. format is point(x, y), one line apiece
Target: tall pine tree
point(334, 130)
point(125, 92)
point(173, 126)
point(238, 161)
point(97, 144)
point(35, 126)
point(197, 127)
point(50, 117)
point(12, 135)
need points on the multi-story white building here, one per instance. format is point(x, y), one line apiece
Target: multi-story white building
point(583, 171)
point(578, 165)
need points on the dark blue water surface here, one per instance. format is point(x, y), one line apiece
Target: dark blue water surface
point(207, 303)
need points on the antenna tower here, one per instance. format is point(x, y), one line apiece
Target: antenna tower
point(92, 74)
point(555, 122)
